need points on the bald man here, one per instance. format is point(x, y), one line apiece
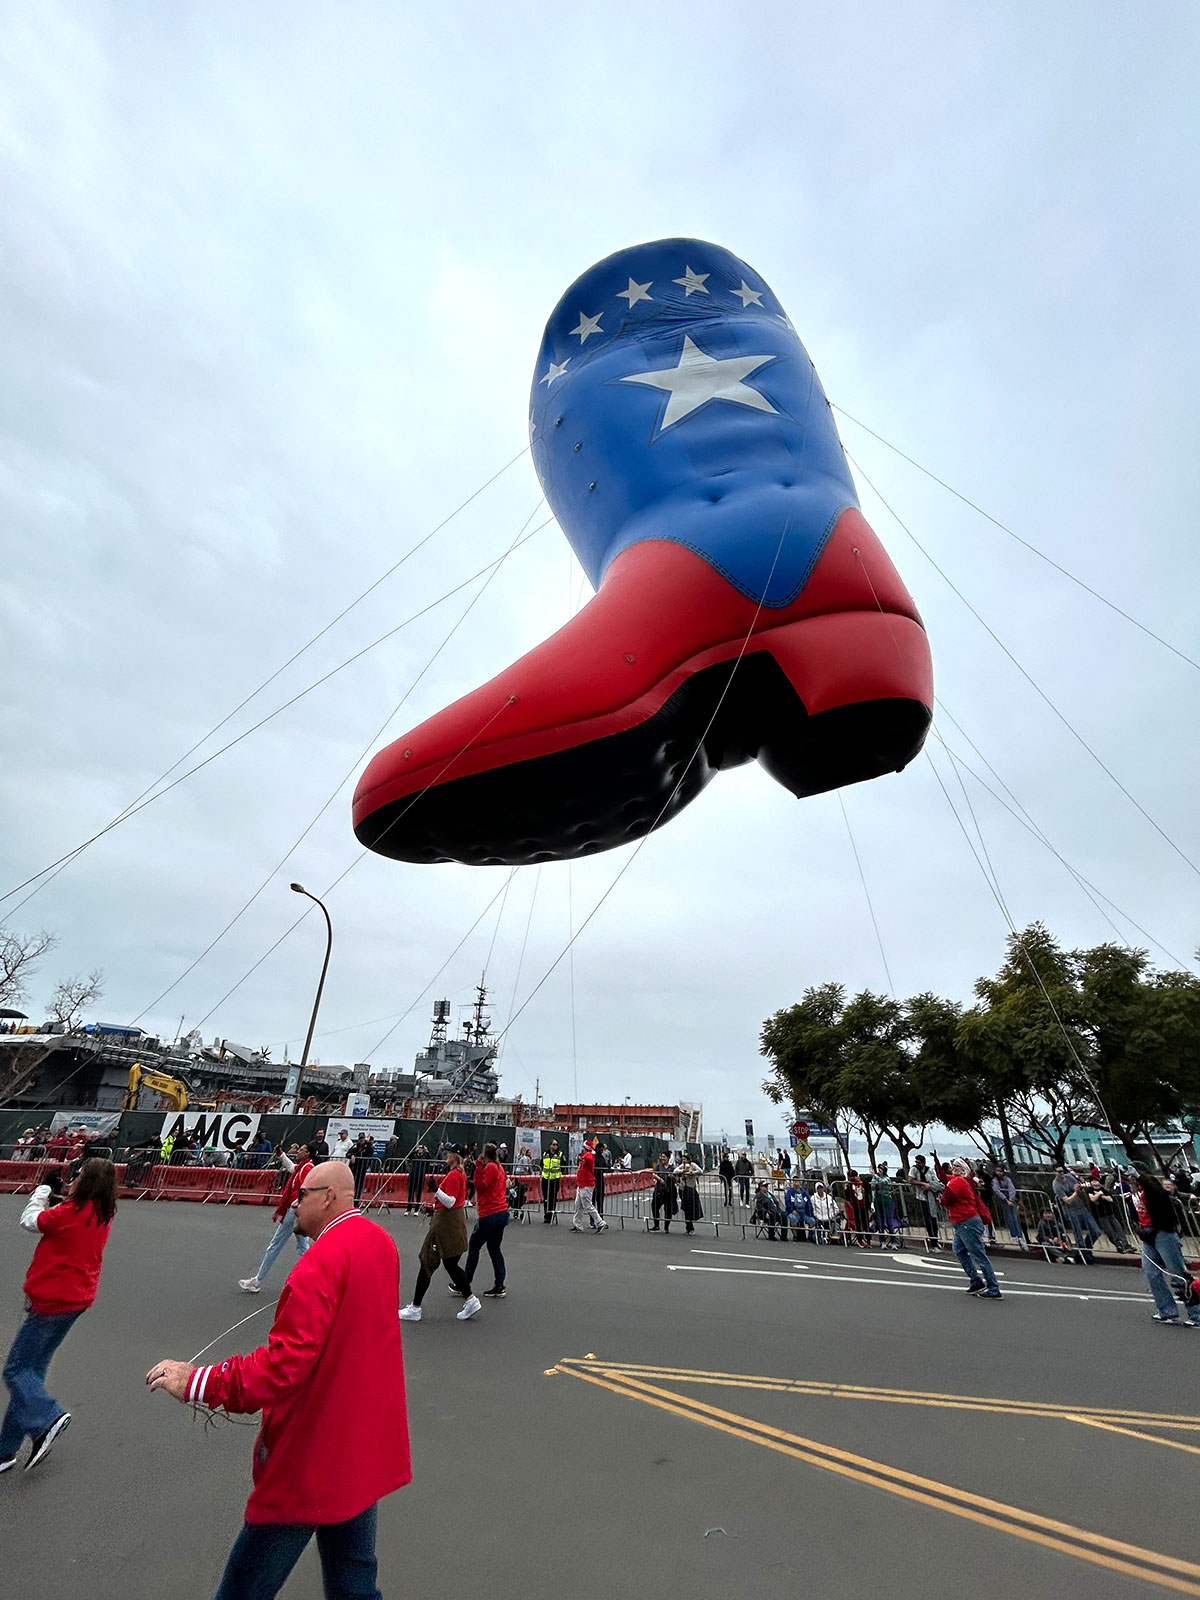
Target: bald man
point(332, 1368)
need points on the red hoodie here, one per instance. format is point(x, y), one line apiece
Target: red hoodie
point(291, 1189)
point(962, 1199)
point(490, 1190)
point(65, 1271)
point(585, 1178)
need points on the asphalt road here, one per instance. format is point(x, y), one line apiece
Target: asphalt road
point(543, 1460)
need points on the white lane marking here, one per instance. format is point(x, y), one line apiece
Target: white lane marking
point(916, 1283)
point(1013, 1283)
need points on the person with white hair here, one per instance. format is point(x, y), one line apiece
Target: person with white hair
point(966, 1210)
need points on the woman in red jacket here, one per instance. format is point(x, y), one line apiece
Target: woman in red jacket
point(60, 1286)
point(445, 1242)
point(284, 1217)
point(491, 1208)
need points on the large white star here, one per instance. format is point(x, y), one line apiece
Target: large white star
point(557, 368)
point(700, 378)
point(588, 326)
point(635, 292)
point(746, 294)
point(692, 282)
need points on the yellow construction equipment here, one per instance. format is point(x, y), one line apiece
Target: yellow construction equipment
point(173, 1090)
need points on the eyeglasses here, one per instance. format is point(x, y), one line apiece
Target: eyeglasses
point(315, 1189)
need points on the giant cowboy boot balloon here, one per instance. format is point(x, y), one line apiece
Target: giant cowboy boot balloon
point(744, 609)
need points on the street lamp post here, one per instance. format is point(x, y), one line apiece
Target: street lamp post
point(298, 888)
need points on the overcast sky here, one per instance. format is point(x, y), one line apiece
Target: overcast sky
point(272, 282)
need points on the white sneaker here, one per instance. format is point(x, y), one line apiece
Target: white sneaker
point(473, 1305)
point(250, 1285)
point(410, 1313)
point(603, 1228)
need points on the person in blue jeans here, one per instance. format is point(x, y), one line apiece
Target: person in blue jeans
point(284, 1218)
point(963, 1202)
point(59, 1287)
point(1162, 1253)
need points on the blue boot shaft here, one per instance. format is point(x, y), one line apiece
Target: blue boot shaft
point(673, 400)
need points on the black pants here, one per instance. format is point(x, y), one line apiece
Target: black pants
point(488, 1231)
point(598, 1189)
point(453, 1271)
point(550, 1195)
point(727, 1183)
point(416, 1187)
point(744, 1188)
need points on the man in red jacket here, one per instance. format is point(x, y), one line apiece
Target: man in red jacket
point(332, 1368)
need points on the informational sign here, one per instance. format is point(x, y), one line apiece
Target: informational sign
point(101, 1122)
point(224, 1130)
point(358, 1105)
point(771, 1141)
point(528, 1139)
point(379, 1128)
point(749, 1129)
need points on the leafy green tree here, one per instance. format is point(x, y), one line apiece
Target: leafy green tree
point(1143, 1033)
point(805, 1045)
point(1024, 1041)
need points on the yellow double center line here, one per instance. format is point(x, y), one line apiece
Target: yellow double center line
point(1115, 1555)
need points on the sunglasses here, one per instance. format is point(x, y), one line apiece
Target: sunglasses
point(314, 1189)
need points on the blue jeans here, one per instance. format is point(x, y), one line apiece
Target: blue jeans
point(30, 1409)
point(487, 1231)
point(1162, 1262)
point(264, 1554)
point(1012, 1215)
point(279, 1238)
point(1083, 1225)
point(972, 1258)
point(885, 1215)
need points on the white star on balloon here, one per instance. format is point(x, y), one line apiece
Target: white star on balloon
point(692, 281)
point(556, 371)
point(588, 326)
point(635, 292)
point(699, 378)
point(746, 294)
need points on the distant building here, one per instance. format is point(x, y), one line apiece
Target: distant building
point(1087, 1145)
point(664, 1122)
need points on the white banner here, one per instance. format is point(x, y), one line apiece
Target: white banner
point(529, 1139)
point(379, 1128)
point(224, 1130)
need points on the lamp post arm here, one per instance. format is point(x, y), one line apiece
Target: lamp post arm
point(312, 1021)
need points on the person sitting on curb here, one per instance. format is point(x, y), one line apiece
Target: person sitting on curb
point(768, 1213)
point(1051, 1242)
point(797, 1207)
point(826, 1217)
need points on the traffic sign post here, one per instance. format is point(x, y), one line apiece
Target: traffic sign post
point(801, 1130)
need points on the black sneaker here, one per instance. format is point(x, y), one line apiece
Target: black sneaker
point(44, 1441)
point(494, 1294)
point(977, 1288)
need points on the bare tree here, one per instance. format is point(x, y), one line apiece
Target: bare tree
point(71, 995)
point(19, 955)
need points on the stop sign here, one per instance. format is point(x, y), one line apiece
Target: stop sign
point(800, 1129)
